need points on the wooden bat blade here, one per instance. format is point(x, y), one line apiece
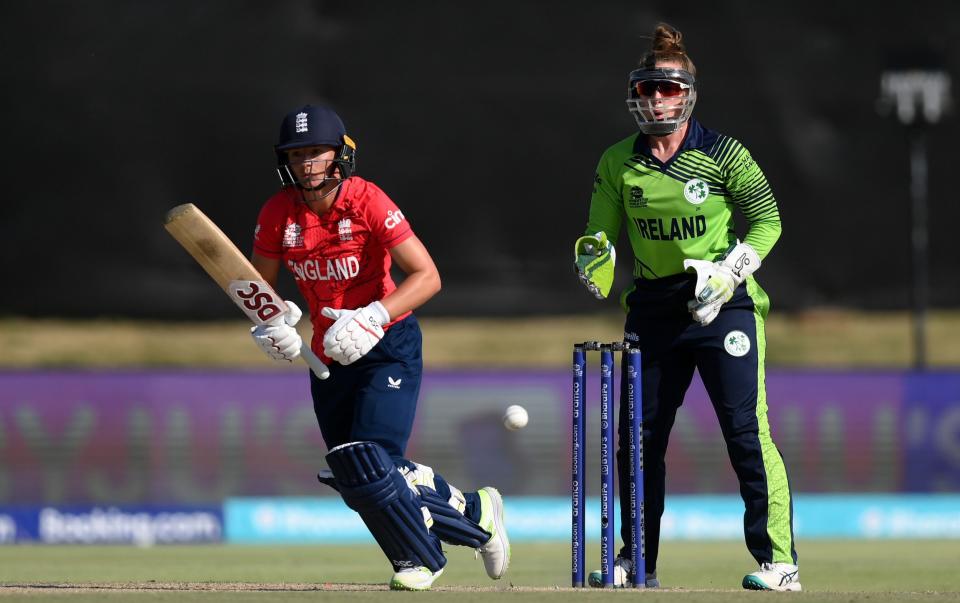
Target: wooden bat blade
point(225, 264)
point(232, 271)
point(209, 246)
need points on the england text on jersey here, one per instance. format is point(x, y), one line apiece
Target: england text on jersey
point(321, 269)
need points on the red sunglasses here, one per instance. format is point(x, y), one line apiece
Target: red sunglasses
point(666, 88)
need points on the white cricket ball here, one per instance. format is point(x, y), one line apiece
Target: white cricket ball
point(515, 417)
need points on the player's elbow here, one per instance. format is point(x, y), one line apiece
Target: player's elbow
point(435, 283)
point(777, 233)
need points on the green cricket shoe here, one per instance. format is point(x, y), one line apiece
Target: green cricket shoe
point(496, 551)
point(414, 578)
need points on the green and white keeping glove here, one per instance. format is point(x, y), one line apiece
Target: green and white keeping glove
point(594, 258)
point(716, 281)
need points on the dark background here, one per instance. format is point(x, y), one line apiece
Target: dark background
point(483, 121)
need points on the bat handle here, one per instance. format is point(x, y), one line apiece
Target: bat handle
point(316, 365)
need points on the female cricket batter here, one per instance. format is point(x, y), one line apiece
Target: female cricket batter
point(338, 235)
point(693, 303)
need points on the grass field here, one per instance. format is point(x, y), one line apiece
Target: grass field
point(840, 571)
point(815, 339)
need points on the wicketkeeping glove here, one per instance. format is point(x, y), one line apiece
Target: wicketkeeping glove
point(594, 258)
point(355, 332)
point(716, 281)
point(280, 341)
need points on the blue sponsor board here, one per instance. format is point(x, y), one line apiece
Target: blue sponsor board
point(292, 520)
point(192, 437)
point(328, 520)
point(930, 423)
point(9, 520)
point(140, 525)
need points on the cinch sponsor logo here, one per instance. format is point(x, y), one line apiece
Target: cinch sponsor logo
point(339, 269)
point(115, 526)
point(655, 229)
point(393, 219)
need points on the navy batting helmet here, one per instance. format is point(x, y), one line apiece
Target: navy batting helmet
point(309, 126)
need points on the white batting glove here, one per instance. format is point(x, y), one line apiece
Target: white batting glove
point(280, 341)
point(716, 281)
point(355, 332)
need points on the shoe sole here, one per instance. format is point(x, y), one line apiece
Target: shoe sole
point(754, 583)
point(397, 585)
point(498, 521)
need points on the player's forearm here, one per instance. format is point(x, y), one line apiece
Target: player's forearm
point(268, 268)
point(415, 290)
point(604, 217)
point(762, 235)
point(606, 208)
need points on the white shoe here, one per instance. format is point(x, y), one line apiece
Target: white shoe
point(622, 575)
point(414, 578)
point(774, 576)
point(496, 551)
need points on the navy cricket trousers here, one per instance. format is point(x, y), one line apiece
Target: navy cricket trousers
point(375, 398)
point(729, 355)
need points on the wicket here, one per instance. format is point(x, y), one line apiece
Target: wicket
point(607, 442)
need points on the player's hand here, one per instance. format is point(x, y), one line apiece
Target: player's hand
point(354, 332)
point(716, 281)
point(280, 341)
point(594, 258)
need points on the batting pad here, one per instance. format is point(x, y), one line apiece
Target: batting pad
point(370, 484)
point(449, 524)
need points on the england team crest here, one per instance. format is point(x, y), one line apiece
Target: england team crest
point(345, 228)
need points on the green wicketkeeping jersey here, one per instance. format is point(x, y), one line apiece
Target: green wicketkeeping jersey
point(682, 209)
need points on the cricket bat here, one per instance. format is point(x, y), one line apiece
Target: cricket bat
point(233, 272)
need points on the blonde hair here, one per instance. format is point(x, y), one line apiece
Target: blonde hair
point(667, 45)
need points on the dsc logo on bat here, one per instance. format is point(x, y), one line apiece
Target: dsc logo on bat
point(258, 300)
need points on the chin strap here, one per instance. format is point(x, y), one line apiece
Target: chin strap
point(301, 189)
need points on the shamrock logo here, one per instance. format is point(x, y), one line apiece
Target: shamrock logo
point(736, 343)
point(696, 191)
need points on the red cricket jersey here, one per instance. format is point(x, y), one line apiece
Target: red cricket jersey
point(340, 259)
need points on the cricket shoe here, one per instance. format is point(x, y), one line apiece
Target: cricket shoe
point(414, 578)
point(496, 551)
point(774, 576)
point(622, 575)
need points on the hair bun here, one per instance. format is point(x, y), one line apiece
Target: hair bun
point(667, 39)
point(667, 46)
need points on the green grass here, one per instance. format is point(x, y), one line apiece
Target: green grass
point(839, 571)
point(814, 338)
